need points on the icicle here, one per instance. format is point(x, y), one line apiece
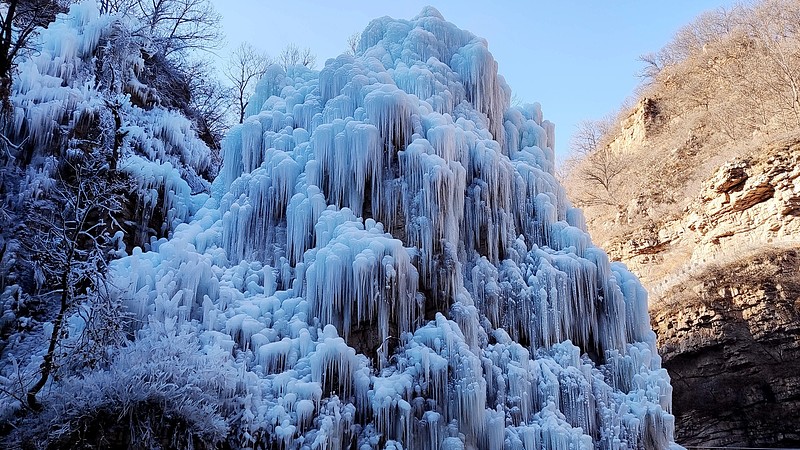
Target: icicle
point(485, 89)
point(342, 276)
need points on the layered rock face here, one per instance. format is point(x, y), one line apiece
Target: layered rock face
point(730, 334)
point(730, 339)
point(747, 202)
point(722, 268)
point(753, 199)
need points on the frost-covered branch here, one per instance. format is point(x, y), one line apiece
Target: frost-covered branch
point(72, 253)
point(7, 143)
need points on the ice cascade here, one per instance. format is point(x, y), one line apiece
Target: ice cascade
point(390, 262)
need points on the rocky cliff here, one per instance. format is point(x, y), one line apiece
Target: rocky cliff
point(729, 327)
point(730, 338)
point(721, 259)
point(747, 201)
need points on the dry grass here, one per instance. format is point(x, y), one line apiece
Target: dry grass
point(755, 265)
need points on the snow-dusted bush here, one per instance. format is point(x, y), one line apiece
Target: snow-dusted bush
point(161, 391)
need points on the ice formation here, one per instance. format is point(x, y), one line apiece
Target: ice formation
point(389, 262)
point(82, 77)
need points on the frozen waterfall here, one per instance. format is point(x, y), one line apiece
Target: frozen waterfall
point(388, 262)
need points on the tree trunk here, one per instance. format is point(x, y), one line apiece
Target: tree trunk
point(6, 58)
point(47, 364)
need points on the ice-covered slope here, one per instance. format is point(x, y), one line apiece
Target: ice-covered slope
point(79, 92)
point(388, 262)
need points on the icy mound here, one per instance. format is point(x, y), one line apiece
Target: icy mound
point(390, 263)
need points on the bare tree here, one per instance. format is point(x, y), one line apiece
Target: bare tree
point(694, 38)
point(245, 67)
point(653, 65)
point(109, 6)
point(741, 66)
point(589, 135)
point(211, 100)
point(775, 28)
point(177, 26)
point(292, 55)
point(594, 164)
point(352, 43)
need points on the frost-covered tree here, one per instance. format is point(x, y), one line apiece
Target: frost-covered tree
point(19, 20)
point(95, 162)
point(160, 391)
point(69, 238)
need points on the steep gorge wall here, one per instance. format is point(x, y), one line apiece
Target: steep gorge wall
point(721, 264)
point(730, 338)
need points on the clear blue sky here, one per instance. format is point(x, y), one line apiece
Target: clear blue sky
point(577, 58)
